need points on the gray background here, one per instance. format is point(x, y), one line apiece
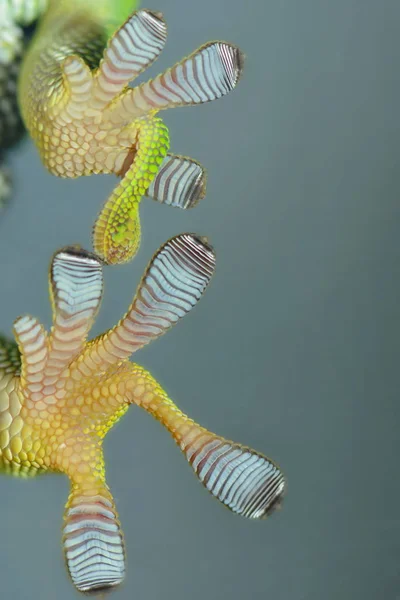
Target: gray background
point(294, 348)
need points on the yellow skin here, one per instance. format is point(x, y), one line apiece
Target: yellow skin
point(59, 396)
point(84, 119)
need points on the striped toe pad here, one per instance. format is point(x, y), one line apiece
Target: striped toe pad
point(172, 285)
point(247, 482)
point(93, 544)
point(209, 73)
point(132, 49)
point(77, 282)
point(180, 182)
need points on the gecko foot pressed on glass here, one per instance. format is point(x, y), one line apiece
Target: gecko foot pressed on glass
point(60, 394)
point(85, 119)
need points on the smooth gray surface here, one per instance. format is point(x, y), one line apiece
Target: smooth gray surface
point(294, 349)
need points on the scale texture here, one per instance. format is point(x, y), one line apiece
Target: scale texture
point(84, 118)
point(60, 394)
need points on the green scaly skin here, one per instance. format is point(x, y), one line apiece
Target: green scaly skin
point(72, 29)
point(84, 119)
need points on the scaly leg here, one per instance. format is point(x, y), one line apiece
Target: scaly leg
point(85, 118)
point(244, 480)
point(116, 235)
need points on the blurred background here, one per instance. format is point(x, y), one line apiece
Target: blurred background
point(294, 348)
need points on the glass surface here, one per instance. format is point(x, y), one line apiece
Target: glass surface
point(294, 348)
